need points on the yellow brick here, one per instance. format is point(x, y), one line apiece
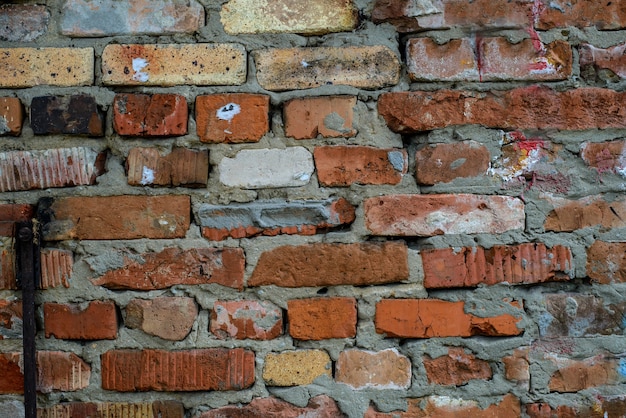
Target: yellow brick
point(168, 65)
point(27, 67)
point(292, 368)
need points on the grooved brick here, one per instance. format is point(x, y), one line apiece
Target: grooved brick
point(71, 115)
point(611, 58)
point(328, 116)
point(150, 115)
point(232, 118)
point(28, 67)
point(173, 64)
point(56, 267)
point(602, 406)
point(118, 217)
point(74, 321)
point(605, 156)
point(455, 368)
point(428, 215)
point(305, 68)
point(576, 375)
point(293, 368)
point(242, 319)
point(570, 215)
point(562, 13)
point(321, 406)
point(172, 266)
point(533, 107)
point(332, 264)
point(11, 116)
point(10, 214)
point(188, 370)
point(428, 318)
point(513, 264)
point(308, 318)
point(442, 163)
point(23, 22)
point(181, 167)
point(61, 371)
point(155, 409)
point(361, 369)
point(10, 319)
point(606, 262)
point(170, 318)
point(346, 165)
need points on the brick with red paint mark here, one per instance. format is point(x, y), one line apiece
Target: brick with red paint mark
point(10, 214)
point(146, 115)
point(611, 59)
point(170, 318)
point(61, 371)
point(246, 319)
point(155, 409)
point(10, 319)
point(11, 114)
point(347, 165)
point(181, 167)
point(562, 13)
point(321, 406)
point(606, 262)
point(232, 118)
point(428, 318)
point(576, 375)
point(309, 318)
point(362, 369)
point(328, 116)
point(69, 115)
point(570, 215)
point(172, 266)
point(96, 320)
point(186, 370)
point(428, 215)
point(605, 157)
point(442, 163)
point(23, 22)
point(456, 368)
point(56, 268)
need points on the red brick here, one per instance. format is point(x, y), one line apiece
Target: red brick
point(321, 406)
point(232, 118)
point(74, 321)
point(170, 318)
point(362, 369)
point(147, 115)
point(7, 267)
point(576, 375)
point(174, 266)
point(23, 22)
point(328, 116)
point(428, 215)
point(514, 264)
point(189, 370)
point(11, 111)
point(242, 319)
point(12, 213)
point(605, 156)
point(161, 409)
point(611, 58)
point(564, 13)
point(517, 367)
point(309, 318)
point(428, 318)
point(453, 61)
point(61, 371)
point(531, 107)
point(56, 268)
point(12, 381)
point(332, 264)
point(181, 167)
point(346, 165)
point(570, 215)
point(442, 163)
point(118, 217)
point(544, 410)
point(606, 262)
point(456, 368)
point(10, 319)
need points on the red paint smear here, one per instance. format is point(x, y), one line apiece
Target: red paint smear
point(529, 145)
point(538, 66)
point(534, 17)
point(479, 57)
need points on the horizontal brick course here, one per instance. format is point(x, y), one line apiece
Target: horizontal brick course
point(156, 409)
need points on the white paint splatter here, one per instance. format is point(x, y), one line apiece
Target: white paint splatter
point(147, 176)
point(228, 112)
point(304, 63)
point(302, 176)
point(138, 65)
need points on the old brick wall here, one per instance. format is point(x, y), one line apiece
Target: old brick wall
point(273, 208)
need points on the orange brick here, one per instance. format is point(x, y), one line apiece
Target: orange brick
point(150, 115)
point(309, 318)
point(576, 375)
point(570, 215)
point(10, 319)
point(181, 167)
point(442, 163)
point(606, 262)
point(232, 118)
point(456, 368)
point(11, 116)
point(605, 157)
point(96, 321)
point(386, 369)
point(328, 116)
point(242, 319)
point(170, 318)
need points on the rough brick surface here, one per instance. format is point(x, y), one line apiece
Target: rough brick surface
point(12, 378)
point(70, 115)
point(96, 320)
point(61, 371)
point(562, 13)
point(570, 215)
point(11, 116)
point(188, 370)
point(11, 213)
point(156, 409)
point(309, 318)
point(172, 64)
point(606, 157)
point(150, 115)
point(332, 264)
point(346, 165)
point(242, 319)
point(23, 22)
point(232, 118)
point(294, 368)
point(385, 369)
point(517, 367)
point(427, 215)
point(456, 368)
point(611, 58)
point(321, 406)
point(56, 268)
point(10, 319)
point(328, 116)
point(453, 61)
point(7, 266)
point(170, 318)
point(442, 163)
point(606, 262)
point(181, 167)
point(305, 68)
point(575, 375)
point(172, 266)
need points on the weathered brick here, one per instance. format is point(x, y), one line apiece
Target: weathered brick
point(294, 368)
point(170, 318)
point(428, 318)
point(284, 16)
point(455, 368)
point(10, 319)
point(605, 156)
point(155, 409)
point(83, 18)
point(321, 406)
point(23, 22)
point(173, 64)
point(56, 267)
point(150, 115)
point(606, 262)
point(361, 369)
point(453, 61)
point(563, 13)
point(533, 107)
point(232, 118)
point(181, 167)
point(244, 220)
point(12, 381)
point(118, 217)
point(309, 318)
point(172, 266)
point(43, 169)
point(442, 163)
point(262, 168)
point(544, 410)
point(188, 370)
point(570, 215)
point(242, 319)
point(95, 320)
point(517, 367)
point(427, 215)
point(27, 67)
point(611, 58)
point(11, 115)
point(70, 115)
point(10, 214)
point(61, 371)
point(7, 265)
point(513, 264)
point(332, 264)
point(328, 116)
point(346, 165)
point(576, 375)
point(305, 68)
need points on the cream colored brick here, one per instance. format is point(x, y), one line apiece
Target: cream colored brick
point(172, 64)
point(367, 67)
point(293, 368)
point(288, 16)
point(27, 67)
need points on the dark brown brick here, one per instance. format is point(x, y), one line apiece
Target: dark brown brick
point(70, 115)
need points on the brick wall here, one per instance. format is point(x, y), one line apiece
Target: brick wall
point(325, 208)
